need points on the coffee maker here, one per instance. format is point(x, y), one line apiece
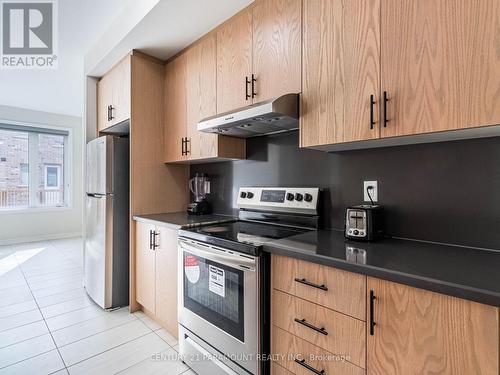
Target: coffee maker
point(200, 187)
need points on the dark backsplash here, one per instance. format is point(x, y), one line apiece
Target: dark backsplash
point(444, 192)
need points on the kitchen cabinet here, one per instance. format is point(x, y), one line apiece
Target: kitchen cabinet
point(277, 48)
point(340, 71)
point(234, 62)
point(422, 332)
point(145, 263)
point(113, 95)
point(376, 70)
point(156, 273)
point(440, 65)
point(259, 54)
point(175, 109)
point(190, 96)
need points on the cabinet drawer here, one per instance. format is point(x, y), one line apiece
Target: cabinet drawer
point(330, 287)
point(289, 349)
point(340, 333)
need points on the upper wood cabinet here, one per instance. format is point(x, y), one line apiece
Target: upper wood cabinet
point(440, 65)
point(277, 39)
point(175, 109)
point(421, 332)
point(431, 66)
point(234, 62)
point(259, 54)
point(340, 71)
point(190, 96)
point(113, 95)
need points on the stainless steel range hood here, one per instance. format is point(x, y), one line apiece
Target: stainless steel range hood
point(269, 117)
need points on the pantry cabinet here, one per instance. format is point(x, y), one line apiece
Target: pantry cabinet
point(156, 273)
point(422, 332)
point(113, 95)
point(440, 65)
point(340, 72)
point(190, 96)
point(388, 68)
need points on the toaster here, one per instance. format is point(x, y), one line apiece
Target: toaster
point(364, 222)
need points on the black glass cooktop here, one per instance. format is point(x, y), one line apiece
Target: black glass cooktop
point(244, 236)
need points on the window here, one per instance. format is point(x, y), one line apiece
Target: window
point(33, 172)
point(23, 174)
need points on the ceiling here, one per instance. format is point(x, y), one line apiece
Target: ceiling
point(166, 28)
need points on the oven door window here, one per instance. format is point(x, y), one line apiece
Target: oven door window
point(214, 292)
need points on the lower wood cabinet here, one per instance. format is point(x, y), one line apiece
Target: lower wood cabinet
point(408, 331)
point(421, 332)
point(156, 273)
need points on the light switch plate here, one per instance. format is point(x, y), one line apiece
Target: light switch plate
point(373, 192)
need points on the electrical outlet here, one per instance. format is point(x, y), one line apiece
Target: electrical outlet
point(373, 192)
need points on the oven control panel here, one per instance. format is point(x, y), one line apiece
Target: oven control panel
point(293, 200)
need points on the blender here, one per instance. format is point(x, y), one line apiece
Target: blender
point(200, 187)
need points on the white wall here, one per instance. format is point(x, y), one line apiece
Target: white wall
point(49, 223)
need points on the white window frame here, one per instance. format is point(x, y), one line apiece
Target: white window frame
point(33, 178)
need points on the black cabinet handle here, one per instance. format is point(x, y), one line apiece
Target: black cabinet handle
point(150, 240)
point(305, 282)
point(155, 245)
point(187, 151)
point(247, 82)
point(303, 363)
point(254, 94)
point(372, 319)
point(372, 117)
point(110, 112)
point(386, 99)
point(182, 147)
point(309, 325)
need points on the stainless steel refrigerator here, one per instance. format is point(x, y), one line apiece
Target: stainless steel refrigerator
point(107, 221)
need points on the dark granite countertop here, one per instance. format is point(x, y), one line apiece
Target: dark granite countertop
point(181, 220)
point(468, 273)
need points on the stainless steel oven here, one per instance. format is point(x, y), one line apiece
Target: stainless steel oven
point(219, 309)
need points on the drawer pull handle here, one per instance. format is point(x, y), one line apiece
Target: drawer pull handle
point(303, 363)
point(305, 282)
point(309, 325)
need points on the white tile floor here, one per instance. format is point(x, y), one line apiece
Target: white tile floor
point(48, 325)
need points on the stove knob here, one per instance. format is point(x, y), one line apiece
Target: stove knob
point(308, 197)
point(243, 194)
point(249, 195)
point(299, 197)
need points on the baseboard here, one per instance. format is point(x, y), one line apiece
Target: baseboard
point(40, 237)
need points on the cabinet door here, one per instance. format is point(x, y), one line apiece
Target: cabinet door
point(234, 61)
point(104, 99)
point(277, 43)
point(421, 332)
point(340, 71)
point(120, 78)
point(166, 279)
point(440, 64)
point(145, 266)
point(201, 96)
point(175, 108)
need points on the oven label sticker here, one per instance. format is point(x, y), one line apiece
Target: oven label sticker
point(217, 280)
point(191, 269)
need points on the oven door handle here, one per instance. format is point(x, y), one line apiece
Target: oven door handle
point(234, 261)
